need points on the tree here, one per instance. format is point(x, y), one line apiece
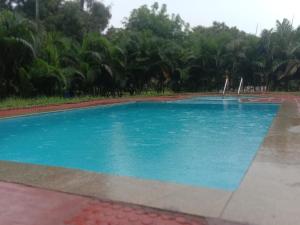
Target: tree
point(99, 17)
point(69, 20)
point(66, 52)
point(280, 54)
point(17, 52)
point(65, 16)
point(156, 20)
point(28, 7)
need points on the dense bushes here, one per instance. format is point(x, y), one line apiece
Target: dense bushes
point(64, 53)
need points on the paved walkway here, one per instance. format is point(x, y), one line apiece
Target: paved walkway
point(270, 192)
point(23, 205)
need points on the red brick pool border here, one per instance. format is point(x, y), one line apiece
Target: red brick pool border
point(24, 205)
point(49, 108)
point(263, 98)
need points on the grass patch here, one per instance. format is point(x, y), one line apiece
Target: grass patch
point(16, 102)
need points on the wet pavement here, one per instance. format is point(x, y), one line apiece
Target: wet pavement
point(23, 205)
point(270, 191)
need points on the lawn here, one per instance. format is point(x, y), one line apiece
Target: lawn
point(17, 102)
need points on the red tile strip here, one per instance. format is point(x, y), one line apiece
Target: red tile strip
point(23, 205)
point(48, 108)
point(265, 98)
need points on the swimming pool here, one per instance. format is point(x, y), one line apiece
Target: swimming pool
point(196, 142)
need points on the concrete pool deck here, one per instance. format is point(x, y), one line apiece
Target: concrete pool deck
point(23, 205)
point(269, 193)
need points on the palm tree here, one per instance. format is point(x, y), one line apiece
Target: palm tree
point(17, 50)
point(235, 54)
point(286, 51)
point(278, 54)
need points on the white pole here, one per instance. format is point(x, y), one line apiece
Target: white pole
point(240, 87)
point(225, 86)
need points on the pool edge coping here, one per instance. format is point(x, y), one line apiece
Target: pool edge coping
point(265, 187)
point(148, 193)
point(41, 109)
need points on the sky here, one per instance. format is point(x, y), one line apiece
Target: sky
point(247, 15)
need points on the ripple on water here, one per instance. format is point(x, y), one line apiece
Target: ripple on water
point(196, 144)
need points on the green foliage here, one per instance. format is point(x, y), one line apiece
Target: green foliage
point(68, 17)
point(17, 51)
point(14, 102)
point(64, 53)
point(69, 20)
point(156, 20)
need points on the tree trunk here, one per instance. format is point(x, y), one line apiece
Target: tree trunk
point(82, 4)
point(37, 10)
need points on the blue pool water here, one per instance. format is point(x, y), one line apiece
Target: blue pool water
point(198, 142)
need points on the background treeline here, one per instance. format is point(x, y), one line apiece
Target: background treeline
point(62, 51)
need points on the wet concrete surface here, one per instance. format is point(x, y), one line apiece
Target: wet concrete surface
point(270, 192)
point(23, 205)
point(162, 195)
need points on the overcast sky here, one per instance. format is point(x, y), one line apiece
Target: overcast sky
point(245, 14)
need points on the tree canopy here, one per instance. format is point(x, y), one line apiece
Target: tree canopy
point(66, 52)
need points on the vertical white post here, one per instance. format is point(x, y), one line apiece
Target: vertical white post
point(240, 87)
point(225, 86)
